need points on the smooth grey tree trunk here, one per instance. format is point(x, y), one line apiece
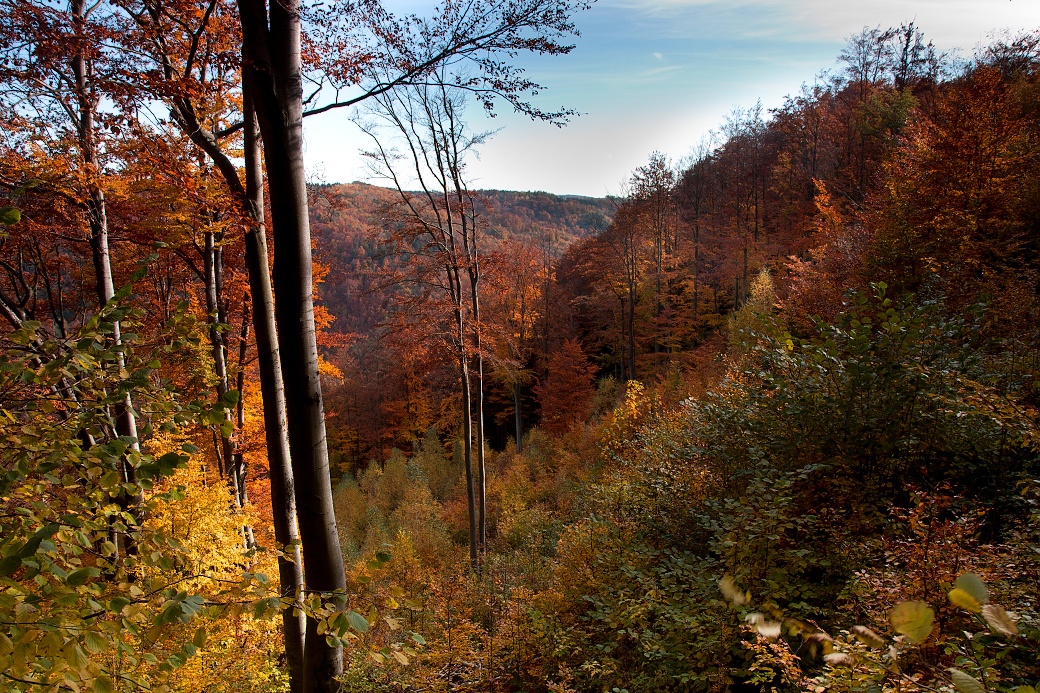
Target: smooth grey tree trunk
point(272, 65)
point(97, 220)
point(519, 417)
point(276, 431)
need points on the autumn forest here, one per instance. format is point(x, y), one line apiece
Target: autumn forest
point(766, 420)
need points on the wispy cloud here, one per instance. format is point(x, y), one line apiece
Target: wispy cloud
point(951, 23)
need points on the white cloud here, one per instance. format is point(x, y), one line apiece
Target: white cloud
point(950, 23)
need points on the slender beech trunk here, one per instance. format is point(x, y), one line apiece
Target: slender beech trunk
point(276, 431)
point(97, 219)
point(632, 331)
point(467, 438)
point(240, 385)
point(474, 280)
point(212, 259)
point(97, 214)
point(623, 320)
point(743, 295)
point(519, 417)
point(696, 268)
point(272, 63)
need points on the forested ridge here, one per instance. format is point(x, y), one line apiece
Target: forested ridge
point(766, 420)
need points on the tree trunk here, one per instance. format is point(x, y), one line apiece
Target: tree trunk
point(696, 267)
point(272, 61)
point(474, 278)
point(519, 420)
point(467, 439)
point(743, 295)
point(632, 332)
point(276, 431)
point(97, 219)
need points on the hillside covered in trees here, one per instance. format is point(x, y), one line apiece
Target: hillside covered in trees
point(768, 421)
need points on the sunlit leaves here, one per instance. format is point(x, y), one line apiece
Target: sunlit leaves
point(913, 619)
point(969, 592)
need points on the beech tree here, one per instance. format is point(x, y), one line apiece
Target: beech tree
point(273, 69)
point(435, 230)
point(565, 396)
point(57, 67)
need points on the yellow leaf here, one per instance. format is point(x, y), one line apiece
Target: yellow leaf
point(973, 585)
point(912, 619)
point(965, 600)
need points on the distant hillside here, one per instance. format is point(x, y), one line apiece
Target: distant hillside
point(346, 218)
point(534, 213)
point(352, 209)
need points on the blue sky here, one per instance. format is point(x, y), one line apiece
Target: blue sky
point(660, 74)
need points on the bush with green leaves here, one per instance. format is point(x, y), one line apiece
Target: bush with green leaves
point(91, 596)
point(786, 476)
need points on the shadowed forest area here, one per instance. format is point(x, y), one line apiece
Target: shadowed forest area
point(765, 421)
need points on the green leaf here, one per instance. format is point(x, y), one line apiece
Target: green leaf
point(357, 621)
point(103, 684)
point(95, 642)
point(46, 532)
point(912, 619)
point(9, 216)
point(965, 683)
point(80, 577)
point(118, 604)
point(973, 585)
point(10, 564)
point(200, 638)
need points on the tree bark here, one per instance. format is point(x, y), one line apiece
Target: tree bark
point(467, 442)
point(272, 63)
point(519, 417)
point(97, 220)
point(276, 431)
